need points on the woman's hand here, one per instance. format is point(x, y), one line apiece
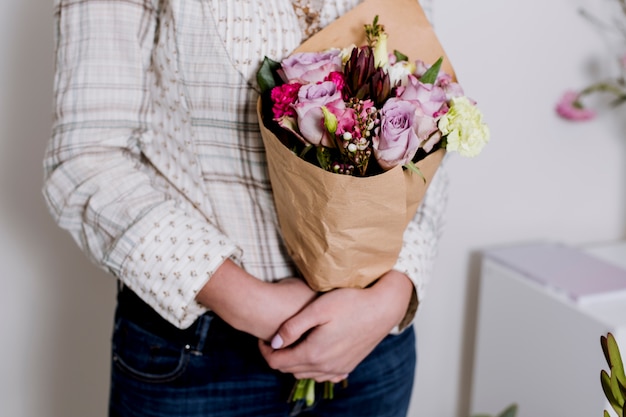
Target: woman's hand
point(335, 332)
point(251, 305)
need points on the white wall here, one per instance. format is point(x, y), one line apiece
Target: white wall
point(540, 178)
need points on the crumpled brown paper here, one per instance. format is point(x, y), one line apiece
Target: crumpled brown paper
point(345, 231)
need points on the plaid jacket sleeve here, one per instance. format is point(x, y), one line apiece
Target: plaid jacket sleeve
point(98, 185)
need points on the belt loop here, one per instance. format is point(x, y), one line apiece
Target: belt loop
point(204, 322)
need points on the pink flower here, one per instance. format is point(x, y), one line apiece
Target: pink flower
point(451, 88)
point(397, 140)
point(283, 97)
point(311, 67)
point(569, 107)
point(311, 98)
point(337, 78)
point(346, 121)
point(426, 129)
point(430, 98)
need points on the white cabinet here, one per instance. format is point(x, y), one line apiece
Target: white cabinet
point(541, 311)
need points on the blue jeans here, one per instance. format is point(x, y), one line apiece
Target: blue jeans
point(213, 370)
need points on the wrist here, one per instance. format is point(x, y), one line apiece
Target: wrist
point(396, 291)
point(230, 293)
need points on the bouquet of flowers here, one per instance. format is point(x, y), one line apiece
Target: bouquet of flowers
point(353, 137)
point(571, 106)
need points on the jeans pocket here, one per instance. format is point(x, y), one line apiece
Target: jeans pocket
point(144, 356)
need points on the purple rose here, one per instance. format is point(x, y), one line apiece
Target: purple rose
point(397, 139)
point(451, 88)
point(311, 98)
point(311, 67)
point(431, 98)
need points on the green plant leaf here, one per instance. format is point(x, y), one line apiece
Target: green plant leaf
point(323, 157)
point(605, 349)
point(430, 76)
point(617, 366)
point(305, 150)
point(617, 394)
point(400, 57)
point(605, 380)
point(606, 414)
point(411, 165)
point(266, 76)
point(510, 411)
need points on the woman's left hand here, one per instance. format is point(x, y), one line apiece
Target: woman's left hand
point(333, 334)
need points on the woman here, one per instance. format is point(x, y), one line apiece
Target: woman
point(156, 167)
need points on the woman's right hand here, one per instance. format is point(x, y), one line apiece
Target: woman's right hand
point(251, 305)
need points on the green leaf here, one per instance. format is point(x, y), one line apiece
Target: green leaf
point(400, 57)
point(605, 380)
point(323, 157)
point(617, 394)
point(411, 165)
point(616, 364)
point(606, 414)
point(306, 150)
point(510, 411)
point(605, 349)
point(266, 77)
point(430, 76)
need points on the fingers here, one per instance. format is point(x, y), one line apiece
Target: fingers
point(304, 361)
point(296, 327)
point(303, 370)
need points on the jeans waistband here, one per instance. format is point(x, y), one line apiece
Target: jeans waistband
point(134, 309)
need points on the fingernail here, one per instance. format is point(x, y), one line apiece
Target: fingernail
point(277, 342)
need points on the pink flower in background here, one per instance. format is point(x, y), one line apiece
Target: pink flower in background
point(569, 107)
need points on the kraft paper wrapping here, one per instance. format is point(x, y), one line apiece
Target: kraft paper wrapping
point(345, 231)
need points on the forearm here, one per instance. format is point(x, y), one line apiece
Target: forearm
point(251, 305)
point(393, 293)
point(233, 294)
